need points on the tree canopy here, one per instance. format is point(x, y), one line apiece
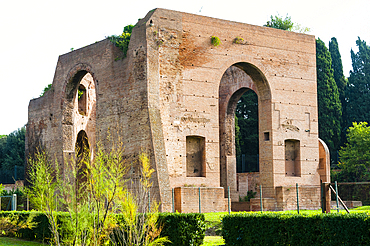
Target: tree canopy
point(12, 149)
point(355, 156)
point(357, 91)
point(329, 107)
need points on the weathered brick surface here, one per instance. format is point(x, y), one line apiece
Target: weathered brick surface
point(174, 83)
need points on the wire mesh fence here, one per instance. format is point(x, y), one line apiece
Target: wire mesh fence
point(354, 193)
point(10, 176)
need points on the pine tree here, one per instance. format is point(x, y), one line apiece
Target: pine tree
point(329, 106)
point(358, 88)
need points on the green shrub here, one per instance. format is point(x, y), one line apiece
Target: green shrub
point(215, 41)
point(122, 41)
point(290, 229)
point(239, 40)
point(183, 229)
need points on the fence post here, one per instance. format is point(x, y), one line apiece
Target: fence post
point(200, 210)
point(28, 204)
point(173, 200)
point(228, 199)
point(14, 202)
point(297, 198)
point(261, 198)
point(336, 195)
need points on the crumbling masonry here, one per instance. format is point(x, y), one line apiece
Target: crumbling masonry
point(174, 96)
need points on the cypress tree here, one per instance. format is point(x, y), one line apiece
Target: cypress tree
point(357, 90)
point(340, 80)
point(337, 66)
point(329, 106)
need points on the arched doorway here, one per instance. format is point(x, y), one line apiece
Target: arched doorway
point(237, 80)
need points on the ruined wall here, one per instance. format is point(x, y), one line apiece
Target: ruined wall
point(175, 85)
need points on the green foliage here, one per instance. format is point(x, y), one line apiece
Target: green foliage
point(44, 181)
point(246, 125)
point(293, 229)
point(215, 41)
point(278, 22)
point(339, 79)
point(12, 150)
point(91, 191)
point(239, 40)
point(250, 194)
point(47, 88)
point(80, 93)
point(39, 231)
point(357, 90)
point(183, 229)
point(355, 156)
point(10, 226)
point(330, 110)
point(122, 41)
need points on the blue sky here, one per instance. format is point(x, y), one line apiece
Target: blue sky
point(35, 33)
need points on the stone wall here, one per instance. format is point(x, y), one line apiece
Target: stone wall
point(175, 85)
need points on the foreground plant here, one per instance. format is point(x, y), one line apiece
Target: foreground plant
point(139, 228)
point(42, 191)
point(92, 191)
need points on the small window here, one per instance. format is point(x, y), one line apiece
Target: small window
point(266, 136)
point(195, 156)
point(82, 99)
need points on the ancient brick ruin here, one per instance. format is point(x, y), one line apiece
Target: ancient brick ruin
point(174, 96)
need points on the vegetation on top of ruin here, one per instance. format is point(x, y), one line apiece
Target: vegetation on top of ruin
point(215, 41)
point(47, 88)
point(278, 22)
point(122, 41)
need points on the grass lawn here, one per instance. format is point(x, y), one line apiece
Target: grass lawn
point(11, 241)
point(213, 240)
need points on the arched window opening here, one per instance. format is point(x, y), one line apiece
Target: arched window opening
point(82, 99)
point(246, 133)
point(195, 156)
point(292, 158)
point(82, 150)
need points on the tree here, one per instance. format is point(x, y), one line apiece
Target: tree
point(337, 66)
point(247, 124)
point(355, 156)
point(12, 149)
point(358, 88)
point(340, 80)
point(278, 22)
point(329, 106)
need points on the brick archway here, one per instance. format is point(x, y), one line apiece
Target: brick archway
point(236, 80)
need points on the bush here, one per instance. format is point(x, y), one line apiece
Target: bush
point(183, 229)
point(289, 229)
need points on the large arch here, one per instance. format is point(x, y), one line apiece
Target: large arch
point(236, 80)
point(75, 120)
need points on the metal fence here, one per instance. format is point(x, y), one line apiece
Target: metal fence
point(354, 192)
point(10, 176)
